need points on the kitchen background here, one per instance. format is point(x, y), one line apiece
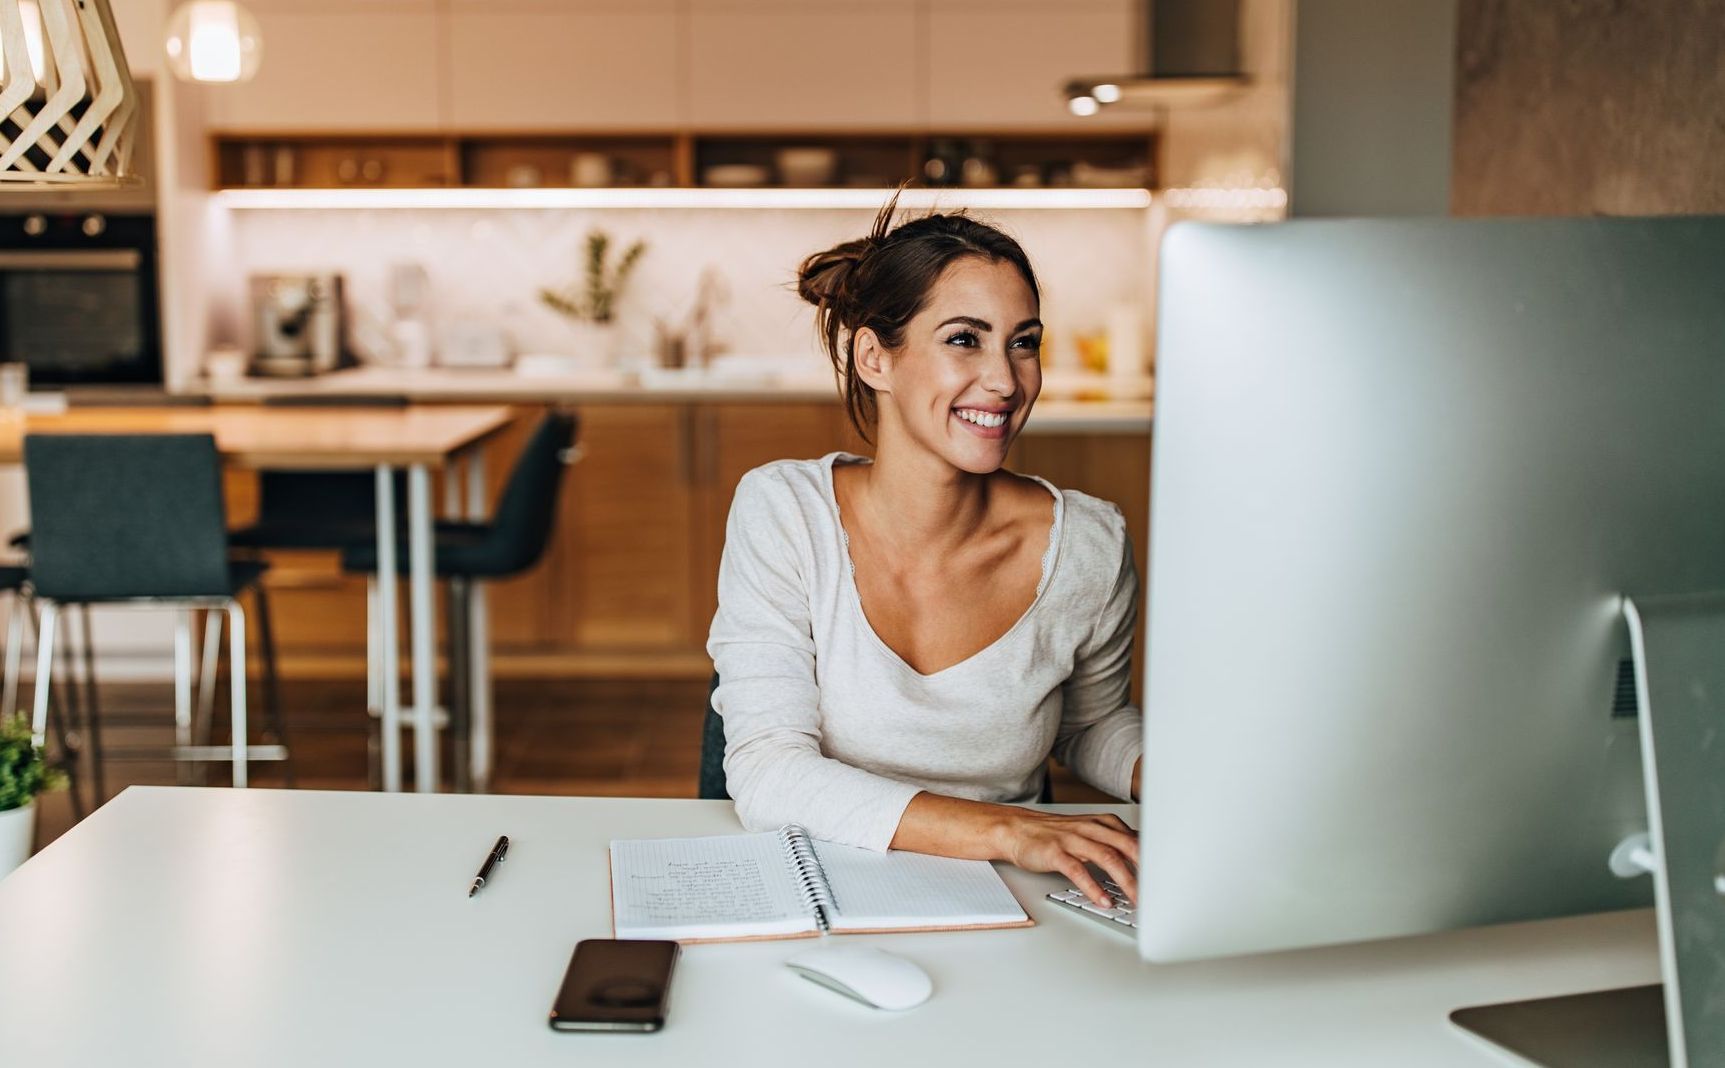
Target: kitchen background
point(447, 159)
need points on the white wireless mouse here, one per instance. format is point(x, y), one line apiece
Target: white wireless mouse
point(873, 976)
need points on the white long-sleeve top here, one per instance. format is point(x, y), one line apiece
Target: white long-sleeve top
point(827, 727)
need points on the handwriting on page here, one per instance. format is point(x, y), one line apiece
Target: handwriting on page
point(691, 883)
point(703, 891)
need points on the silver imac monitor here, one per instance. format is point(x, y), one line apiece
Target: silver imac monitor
point(1404, 473)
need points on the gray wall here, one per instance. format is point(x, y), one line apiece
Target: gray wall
point(1373, 88)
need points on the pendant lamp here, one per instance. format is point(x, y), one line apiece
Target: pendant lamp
point(68, 106)
point(213, 41)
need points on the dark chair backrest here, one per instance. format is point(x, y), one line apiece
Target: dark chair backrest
point(117, 516)
point(712, 783)
point(527, 510)
point(712, 786)
point(341, 500)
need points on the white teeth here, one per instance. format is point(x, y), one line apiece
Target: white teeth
point(971, 415)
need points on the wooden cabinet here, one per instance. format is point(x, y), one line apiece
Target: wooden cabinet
point(1004, 64)
point(374, 66)
point(629, 582)
point(572, 67)
point(807, 66)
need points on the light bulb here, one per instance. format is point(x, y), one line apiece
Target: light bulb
point(214, 41)
point(31, 12)
point(1082, 105)
point(1106, 93)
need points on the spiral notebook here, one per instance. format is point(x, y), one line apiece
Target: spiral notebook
point(784, 884)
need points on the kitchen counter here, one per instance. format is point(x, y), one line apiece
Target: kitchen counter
point(1058, 412)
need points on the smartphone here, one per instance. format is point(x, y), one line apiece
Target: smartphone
point(614, 985)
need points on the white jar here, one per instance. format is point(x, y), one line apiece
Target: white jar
point(17, 830)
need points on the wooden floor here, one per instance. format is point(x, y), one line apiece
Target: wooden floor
point(574, 738)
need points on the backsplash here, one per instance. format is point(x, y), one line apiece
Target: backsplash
point(490, 264)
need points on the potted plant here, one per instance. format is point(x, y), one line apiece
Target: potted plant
point(23, 776)
point(591, 304)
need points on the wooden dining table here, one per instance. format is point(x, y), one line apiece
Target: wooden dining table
point(344, 438)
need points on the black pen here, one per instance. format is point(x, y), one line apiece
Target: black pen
point(494, 857)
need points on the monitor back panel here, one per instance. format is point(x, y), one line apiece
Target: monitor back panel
point(1403, 471)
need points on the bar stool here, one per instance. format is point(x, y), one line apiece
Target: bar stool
point(139, 521)
point(464, 553)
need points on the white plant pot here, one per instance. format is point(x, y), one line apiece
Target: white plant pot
point(594, 343)
point(17, 830)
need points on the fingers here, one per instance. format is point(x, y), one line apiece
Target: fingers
point(1111, 861)
point(1123, 838)
point(1075, 870)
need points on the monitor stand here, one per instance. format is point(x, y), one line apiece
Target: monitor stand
point(1679, 646)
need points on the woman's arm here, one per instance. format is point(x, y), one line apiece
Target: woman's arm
point(763, 649)
point(1034, 841)
point(1101, 736)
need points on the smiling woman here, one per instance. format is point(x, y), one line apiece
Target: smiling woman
point(902, 643)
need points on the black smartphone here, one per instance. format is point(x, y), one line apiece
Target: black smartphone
point(614, 985)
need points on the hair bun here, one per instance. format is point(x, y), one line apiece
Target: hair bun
point(824, 279)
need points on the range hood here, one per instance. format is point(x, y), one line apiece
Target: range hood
point(1189, 55)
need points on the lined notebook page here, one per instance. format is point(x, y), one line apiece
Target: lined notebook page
point(725, 886)
point(897, 889)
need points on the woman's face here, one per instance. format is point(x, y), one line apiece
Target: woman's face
point(962, 384)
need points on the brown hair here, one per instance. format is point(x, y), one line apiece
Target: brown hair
point(883, 280)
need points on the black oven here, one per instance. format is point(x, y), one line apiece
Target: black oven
point(78, 297)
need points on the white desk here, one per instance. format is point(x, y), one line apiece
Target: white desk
point(191, 927)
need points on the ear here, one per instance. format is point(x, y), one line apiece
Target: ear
point(873, 360)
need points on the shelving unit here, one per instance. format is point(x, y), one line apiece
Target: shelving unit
point(679, 160)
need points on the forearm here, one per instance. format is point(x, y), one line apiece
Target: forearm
point(953, 827)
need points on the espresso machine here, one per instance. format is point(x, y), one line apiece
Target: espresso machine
point(297, 324)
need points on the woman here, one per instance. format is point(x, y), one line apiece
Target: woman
point(901, 644)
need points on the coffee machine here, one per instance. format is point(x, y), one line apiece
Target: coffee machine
point(298, 324)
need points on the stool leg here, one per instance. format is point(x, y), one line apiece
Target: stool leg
point(460, 685)
point(44, 672)
point(92, 710)
point(373, 675)
point(15, 624)
point(209, 665)
point(237, 680)
point(272, 682)
point(50, 708)
point(182, 689)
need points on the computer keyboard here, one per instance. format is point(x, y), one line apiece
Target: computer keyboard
point(1122, 915)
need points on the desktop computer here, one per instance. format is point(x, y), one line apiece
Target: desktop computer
point(1406, 474)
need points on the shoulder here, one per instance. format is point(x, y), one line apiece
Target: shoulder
point(787, 497)
point(1095, 559)
point(1093, 527)
point(782, 483)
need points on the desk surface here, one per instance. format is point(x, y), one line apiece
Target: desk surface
point(193, 927)
point(254, 436)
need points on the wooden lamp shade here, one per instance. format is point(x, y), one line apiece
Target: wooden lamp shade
point(68, 105)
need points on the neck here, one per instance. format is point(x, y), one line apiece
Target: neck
point(911, 497)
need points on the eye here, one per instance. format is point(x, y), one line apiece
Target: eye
point(963, 339)
point(1028, 343)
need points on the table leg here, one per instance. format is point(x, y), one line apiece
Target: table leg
point(421, 611)
point(479, 640)
point(388, 644)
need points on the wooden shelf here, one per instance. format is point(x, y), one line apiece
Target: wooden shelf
point(682, 159)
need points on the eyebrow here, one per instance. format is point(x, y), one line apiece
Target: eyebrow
point(985, 325)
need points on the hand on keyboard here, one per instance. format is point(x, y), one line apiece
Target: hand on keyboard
point(1119, 910)
point(1046, 841)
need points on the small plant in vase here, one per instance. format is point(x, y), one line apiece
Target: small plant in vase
point(23, 777)
point(591, 304)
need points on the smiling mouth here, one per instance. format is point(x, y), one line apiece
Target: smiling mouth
point(978, 417)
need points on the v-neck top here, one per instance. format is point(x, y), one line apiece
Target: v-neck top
point(826, 726)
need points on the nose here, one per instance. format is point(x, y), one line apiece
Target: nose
point(997, 377)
